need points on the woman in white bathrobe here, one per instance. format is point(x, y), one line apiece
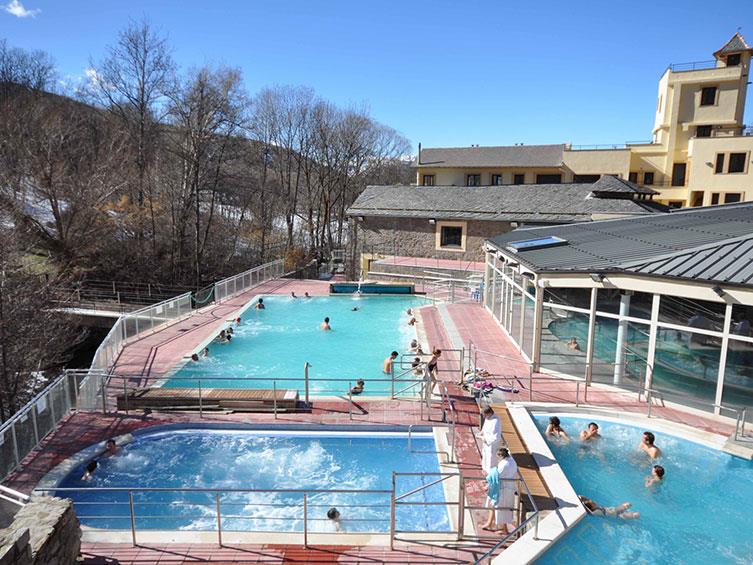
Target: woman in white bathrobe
point(507, 469)
point(490, 439)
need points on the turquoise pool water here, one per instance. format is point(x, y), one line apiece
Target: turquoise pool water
point(700, 514)
point(277, 341)
point(224, 459)
point(677, 366)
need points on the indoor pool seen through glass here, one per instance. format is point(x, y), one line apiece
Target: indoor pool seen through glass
point(225, 459)
point(277, 341)
point(700, 513)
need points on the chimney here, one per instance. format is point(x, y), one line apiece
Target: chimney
point(419, 153)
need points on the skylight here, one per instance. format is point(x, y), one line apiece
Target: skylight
point(537, 243)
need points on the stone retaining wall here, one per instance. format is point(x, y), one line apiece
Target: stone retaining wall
point(44, 532)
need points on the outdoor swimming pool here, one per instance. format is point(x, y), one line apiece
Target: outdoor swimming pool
point(700, 514)
point(262, 460)
point(274, 343)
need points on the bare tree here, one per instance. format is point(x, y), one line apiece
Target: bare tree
point(132, 82)
point(29, 70)
point(208, 114)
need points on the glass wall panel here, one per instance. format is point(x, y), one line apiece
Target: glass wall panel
point(498, 296)
point(742, 316)
point(699, 314)
point(687, 364)
point(515, 324)
point(628, 369)
point(558, 327)
point(528, 319)
point(577, 297)
point(738, 375)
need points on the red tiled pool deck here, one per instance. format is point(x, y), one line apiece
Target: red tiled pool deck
point(157, 353)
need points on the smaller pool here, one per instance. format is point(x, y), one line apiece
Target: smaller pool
point(700, 514)
point(263, 461)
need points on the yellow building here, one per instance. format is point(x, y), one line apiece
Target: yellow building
point(699, 153)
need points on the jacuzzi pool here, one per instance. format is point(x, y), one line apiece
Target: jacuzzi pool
point(262, 461)
point(277, 341)
point(700, 514)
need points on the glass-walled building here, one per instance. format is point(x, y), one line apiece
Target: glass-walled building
point(662, 303)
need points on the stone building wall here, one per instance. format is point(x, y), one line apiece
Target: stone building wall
point(44, 532)
point(416, 237)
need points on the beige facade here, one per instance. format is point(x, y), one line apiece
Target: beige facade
point(699, 116)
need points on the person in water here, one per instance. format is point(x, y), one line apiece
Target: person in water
point(389, 362)
point(591, 433)
point(205, 353)
point(260, 304)
point(306, 295)
point(647, 445)
point(656, 476)
point(573, 344)
point(556, 430)
point(325, 325)
point(238, 321)
point(358, 389)
point(194, 357)
point(334, 515)
point(292, 295)
point(596, 509)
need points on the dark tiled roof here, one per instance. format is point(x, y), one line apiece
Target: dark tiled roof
point(539, 203)
point(712, 244)
point(610, 183)
point(503, 156)
point(734, 45)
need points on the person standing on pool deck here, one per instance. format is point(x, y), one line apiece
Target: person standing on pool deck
point(501, 490)
point(490, 438)
point(389, 362)
point(647, 445)
point(325, 325)
point(591, 433)
point(431, 366)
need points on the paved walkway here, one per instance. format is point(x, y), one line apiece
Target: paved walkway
point(426, 262)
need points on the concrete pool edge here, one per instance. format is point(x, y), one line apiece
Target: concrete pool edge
point(556, 523)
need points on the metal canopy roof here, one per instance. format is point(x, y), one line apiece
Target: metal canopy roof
point(713, 244)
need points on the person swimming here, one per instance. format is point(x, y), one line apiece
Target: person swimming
point(205, 352)
point(292, 295)
point(325, 325)
point(194, 357)
point(358, 389)
point(260, 304)
point(90, 468)
point(306, 295)
point(656, 476)
point(573, 344)
point(555, 429)
point(591, 433)
point(389, 362)
point(596, 509)
point(333, 514)
point(647, 445)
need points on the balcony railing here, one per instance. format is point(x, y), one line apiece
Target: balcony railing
point(692, 66)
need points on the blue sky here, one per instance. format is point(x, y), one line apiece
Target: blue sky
point(443, 73)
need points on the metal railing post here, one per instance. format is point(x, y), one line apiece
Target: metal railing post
point(392, 512)
point(530, 383)
point(33, 411)
point(15, 444)
point(201, 403)
point(648, 399)
point(350, 401)
point(305, 520)
point(577, 393)
point(306, 366)
point(125, 396)
point(274, 397)
point(104, 394)
point(392, 375)
point(461, 505)
point(219, 520)
point(133, 518)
